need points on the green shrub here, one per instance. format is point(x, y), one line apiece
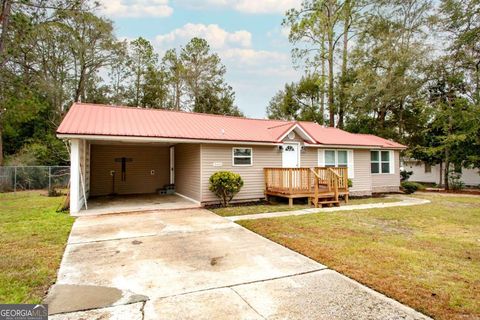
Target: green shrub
point(404, 175)
point(455, 181)
point(350, 183)
point(411, 187)
point(225, 185)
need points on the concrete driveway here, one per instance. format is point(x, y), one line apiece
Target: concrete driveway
point(193, 264)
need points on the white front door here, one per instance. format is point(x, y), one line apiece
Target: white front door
point(172, 165)
point(290, 155)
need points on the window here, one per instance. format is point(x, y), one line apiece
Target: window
point(380, 161)
point(330, 158)
point(337, 158)
point(428, 168)
point(242, 156)
point(342, 156)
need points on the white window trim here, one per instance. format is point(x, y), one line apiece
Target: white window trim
point(350, 160)
point(242, 165)
point(391, 162)
point(325, 158)
point(336, 156)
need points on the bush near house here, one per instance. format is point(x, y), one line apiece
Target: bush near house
point(225, 185)
point(411, 187)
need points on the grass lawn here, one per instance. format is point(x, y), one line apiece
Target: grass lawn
point(278, 207)
point(426, 256)
point(32, 241)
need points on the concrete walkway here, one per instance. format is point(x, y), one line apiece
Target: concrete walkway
point(193, 264)
point(406, 201)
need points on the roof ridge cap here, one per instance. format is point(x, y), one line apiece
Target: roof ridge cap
point(177, 111)
point(283, 124)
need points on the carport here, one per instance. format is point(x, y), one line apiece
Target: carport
point(112, 175)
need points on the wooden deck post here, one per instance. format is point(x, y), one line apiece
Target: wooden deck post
point(265, 177)
point(290, 180)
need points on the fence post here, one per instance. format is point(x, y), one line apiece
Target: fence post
point(49, 179)
point(15, 179)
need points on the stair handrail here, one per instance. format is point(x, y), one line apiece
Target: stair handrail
point(336, 179)
point(316, 178)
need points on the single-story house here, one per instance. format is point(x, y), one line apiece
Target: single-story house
point(125, 150)
point(426, 173)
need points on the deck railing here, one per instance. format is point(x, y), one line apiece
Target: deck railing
point(305, 180)
point(288, 180)
point(343, 176)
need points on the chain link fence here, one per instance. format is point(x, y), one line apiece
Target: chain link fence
point(19, 178)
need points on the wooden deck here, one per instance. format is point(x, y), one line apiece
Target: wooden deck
point(320, 185)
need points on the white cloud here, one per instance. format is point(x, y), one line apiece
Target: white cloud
point(253, 57)
point(217, 37)
point(255, 75)
point(265, 6)
point(136, 8)
point(246, 6)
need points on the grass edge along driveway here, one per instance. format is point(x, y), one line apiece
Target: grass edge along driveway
point(240, 210)
point(32, 240)
point(427, 256)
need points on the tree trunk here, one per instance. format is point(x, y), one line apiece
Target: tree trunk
point(477, 80)
point(331, 107)
point(1, 143)
point(440, 181)
point(177, 96)
point(4, 20)
point(343, 80)
point(81, 85)
point(447, 169)
point(322, 87)
point(137, 89)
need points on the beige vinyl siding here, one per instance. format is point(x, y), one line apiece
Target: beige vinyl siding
point(309, 157)
point(138, 177)
point(253, 188)
point(187, 170)
point(388, 182)
point(362, 181)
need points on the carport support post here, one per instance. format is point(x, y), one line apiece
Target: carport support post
point(74, 175)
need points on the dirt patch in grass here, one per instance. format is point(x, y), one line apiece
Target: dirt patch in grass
point(426, 256)
point(32, 241)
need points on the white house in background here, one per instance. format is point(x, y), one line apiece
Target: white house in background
point(423, 172)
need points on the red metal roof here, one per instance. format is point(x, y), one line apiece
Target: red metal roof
point(103, 120)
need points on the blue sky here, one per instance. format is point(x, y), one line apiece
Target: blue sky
point(247, 34)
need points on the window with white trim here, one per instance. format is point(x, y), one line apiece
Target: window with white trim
point(242, 156)
point(342, 159)
point(330, 158)
point(337, 158)
point(380, 161)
